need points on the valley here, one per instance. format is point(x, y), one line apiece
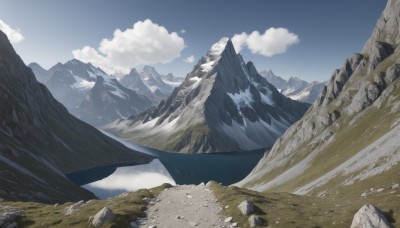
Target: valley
point(111, 138)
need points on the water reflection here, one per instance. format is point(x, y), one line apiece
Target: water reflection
point(131, 178)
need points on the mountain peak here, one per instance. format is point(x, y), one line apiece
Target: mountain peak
point(224, 45)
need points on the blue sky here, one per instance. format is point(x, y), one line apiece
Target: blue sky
point(327, 31)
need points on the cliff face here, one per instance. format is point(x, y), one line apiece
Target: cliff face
point(346, 139)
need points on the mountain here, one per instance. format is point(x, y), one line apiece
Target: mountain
point(89, 93)
point(40, 141)
point(223, 105)
point(150, 83)
point(295, 88)
point(108, 100)
point(41, 74)
point(347, 143)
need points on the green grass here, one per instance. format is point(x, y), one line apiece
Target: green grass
point(127, 207)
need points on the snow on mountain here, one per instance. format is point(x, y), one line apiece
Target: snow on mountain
point(150, 83)
point(40, 141)
point(72, 84)
point(223, 105)
point(295, 88)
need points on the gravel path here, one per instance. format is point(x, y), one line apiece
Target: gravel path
point(185, 206)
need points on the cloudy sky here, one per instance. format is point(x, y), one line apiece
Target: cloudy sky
point(306, 39)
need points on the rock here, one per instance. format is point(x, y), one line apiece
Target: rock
point(134, 224)
point(8, 218)
point(246, 207)
point(395, 186)
point(227, 206)
point(364, 194)
point(103, 216)
point(209, 183)
point(193, 223)
point(229, 219)
point(380, 190)
point(255, 220)
point(202, 184)
point(152, 226)
point(392, 73)
point(179, 217)
point(235, 224)
point(370, 216)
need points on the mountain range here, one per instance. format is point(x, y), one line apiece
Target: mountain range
point(347, 144)
point(40, 141)
point(150, 83)
point(295, 88)
point(89, 93)
point(223, 105)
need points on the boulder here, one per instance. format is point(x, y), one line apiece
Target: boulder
point(370, 216)
point(255, 220)
point(103, 216)
point(246, 207)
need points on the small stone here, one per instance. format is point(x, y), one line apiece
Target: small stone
point(158, 200)
point(153, 226)
point(229, 219)
point(227, 206)
point(193, 223)
point(364, 194)
point(202, 184)
point(380, 190)
point(179, 217)
point(370, 216)
point(255, 220)
point(392, 192)
point(395, 186)
point(134, 224)
point(145, 199)
point(189, 196)
point(209, 183)
point(103, 216)
point(246, 207)
point(235, 224)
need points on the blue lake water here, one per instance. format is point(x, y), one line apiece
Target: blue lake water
point(174, 168)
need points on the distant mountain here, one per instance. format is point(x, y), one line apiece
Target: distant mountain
point(40, 141)
point(347, 144)
point(223, 105)
point(150, 83)
point(108, 100)
point(72, 84)
point(295, 88)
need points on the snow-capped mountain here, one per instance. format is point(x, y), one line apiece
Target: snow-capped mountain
point(150, 83)
point(108, 100)
point(73, 84)
point(347, 144)
point(40, 141)
point(223, 105)
point(295, 88)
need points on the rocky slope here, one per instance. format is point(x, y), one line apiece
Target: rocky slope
point(150, 83)
point(89, 93)
point(347, 143)
point(40, 140)
point(295, 88)
point(223, 105)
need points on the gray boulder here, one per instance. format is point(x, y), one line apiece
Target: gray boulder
point(103, 216)
point(370, 216)
point(255, 220)
point(246, 207)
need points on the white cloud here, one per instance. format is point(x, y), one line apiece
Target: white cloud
point(14, 35)
point(273, 41)
point(144, 43)
point(183, 31)
point(189, 59)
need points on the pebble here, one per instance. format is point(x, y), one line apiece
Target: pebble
point(380, 190)
point(193, 223)
point(235, 224)
point(227, 206)
point(396, 186)
point(229, 219)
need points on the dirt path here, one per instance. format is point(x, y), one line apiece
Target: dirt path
point(185, 206)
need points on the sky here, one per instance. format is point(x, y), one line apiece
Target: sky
point(307, 39)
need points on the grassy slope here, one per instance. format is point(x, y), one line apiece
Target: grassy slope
point(288, 210)
point(127, 207)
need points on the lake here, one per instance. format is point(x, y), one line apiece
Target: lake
point(173, 168)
